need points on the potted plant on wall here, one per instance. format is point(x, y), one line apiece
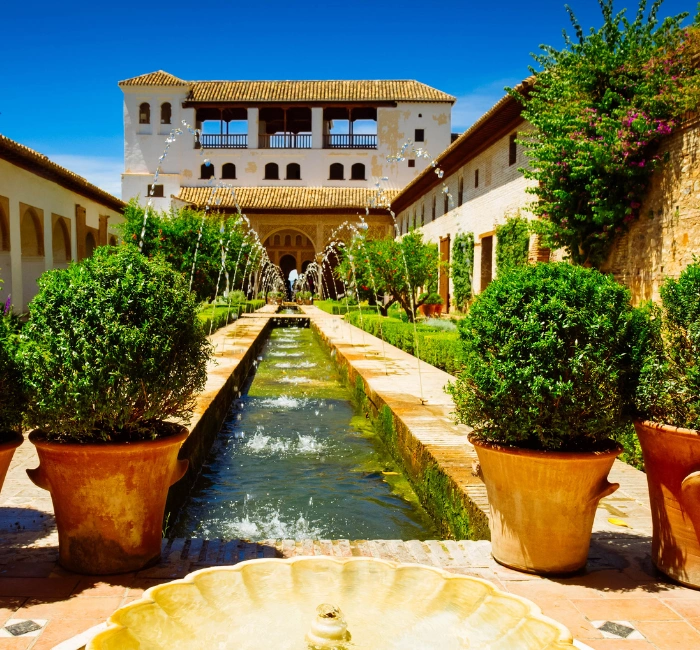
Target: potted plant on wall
point(112, 353)
point(546, 357)
point(668, 402)
point(12, 397)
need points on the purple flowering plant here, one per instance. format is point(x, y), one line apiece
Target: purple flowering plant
point(600, 109)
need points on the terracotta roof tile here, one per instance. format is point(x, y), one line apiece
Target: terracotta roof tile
point(159, 78)
point(291, 198)
point(38, 163)
point(296, 91)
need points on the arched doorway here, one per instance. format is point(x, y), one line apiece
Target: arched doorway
point(288, 263)
point(32, 245)
point(61, 244)
point(90, 244)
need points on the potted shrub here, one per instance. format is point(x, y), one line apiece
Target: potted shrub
point(430, 303)
point(112, 352)
point(545, 363)
point(12, 397)
point(668, 403)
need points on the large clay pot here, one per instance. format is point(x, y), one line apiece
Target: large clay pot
point(437, 309)
point(7, 451)
point(108, 499)
point(672, 465)
point(543, 504)
point(426, 310)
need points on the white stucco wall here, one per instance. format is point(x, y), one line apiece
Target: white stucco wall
point(18, 185)
point(144, 145)
point(501, 193)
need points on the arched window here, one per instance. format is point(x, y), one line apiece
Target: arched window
point(357, 172)
point(32, 237)
point(166, 113)
point(337, 172)
point(272, 172)
point(287, 240)
point(61, 242)
point(445, 203)
point(90, 244)
point(277, 240)
point(460, 191)
point(207, 171)
point(228, 171)
point(298, 240)
point(293, 172)
point(145, 113)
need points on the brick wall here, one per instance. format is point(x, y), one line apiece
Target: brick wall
point(662, 243)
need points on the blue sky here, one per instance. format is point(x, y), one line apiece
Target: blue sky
point(60, 62)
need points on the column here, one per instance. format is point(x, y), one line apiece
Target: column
point(16, 256)
point(317, 127)
point(253, 128)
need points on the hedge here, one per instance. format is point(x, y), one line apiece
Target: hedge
point(438, 348)
point(222, 313)
point(339, 308)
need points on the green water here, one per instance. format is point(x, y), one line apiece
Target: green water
point(295, 459)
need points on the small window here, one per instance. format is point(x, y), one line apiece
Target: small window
point(357, 172)
point(166, 113)
point(513, 150)
point(228, 171)
point(145, 113)
point(420, 135)
point(411, 162)
point(206, 171)
point(460, 191)
point(445, 203)
point(287, 240)
point(476, 178)
point(432, 210)
point(272, 172)
point(293, 172)
point(337, 172)
point(155, 191)
point(297, 240)
point(277, 240)
point(422, 214)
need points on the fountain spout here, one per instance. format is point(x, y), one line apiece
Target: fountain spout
point(329, 631)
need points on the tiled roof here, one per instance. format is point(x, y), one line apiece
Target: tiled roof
point(297, 91)
point(159, 78)
point(315, 91)
point(283, 198)
point(38, 163)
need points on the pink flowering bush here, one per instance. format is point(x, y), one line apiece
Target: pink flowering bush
point(600, 108)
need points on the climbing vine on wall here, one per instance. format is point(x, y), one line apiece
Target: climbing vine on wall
point(512, 243)
point(599, 108)
point(462, 268)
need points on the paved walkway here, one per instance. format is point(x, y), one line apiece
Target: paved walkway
point(620, 602)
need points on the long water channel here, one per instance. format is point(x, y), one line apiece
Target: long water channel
point(295, 459)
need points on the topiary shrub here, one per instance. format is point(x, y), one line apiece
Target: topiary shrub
point(113, 347)
point(512, 244)
point(13, 400)
point(462, 269)
point(546, 357)
point(669, 384)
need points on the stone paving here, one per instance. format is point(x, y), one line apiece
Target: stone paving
point(619, 602)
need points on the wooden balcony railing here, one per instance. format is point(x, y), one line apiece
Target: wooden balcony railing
point(285, 141)
point(224, 140)
point(350, 141)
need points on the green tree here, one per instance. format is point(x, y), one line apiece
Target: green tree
point(174, 236)
point(462, 269)
point(378, 267)
point(599, 108)
point(512, 244)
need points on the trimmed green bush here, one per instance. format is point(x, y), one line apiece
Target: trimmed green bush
point(669, 383)
point(113, 347)
point(438, 348)
point(462, 269)
point(13, 400)
point(546, 359)
point(512, 244)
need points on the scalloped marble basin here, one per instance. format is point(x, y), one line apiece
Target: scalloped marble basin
point(272, 604)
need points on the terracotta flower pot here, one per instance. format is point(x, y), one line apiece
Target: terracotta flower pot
point(672, 464)
point(426, 310)
point(109, 499)
point(543, 504)
point(7, 451)
point(437, 309)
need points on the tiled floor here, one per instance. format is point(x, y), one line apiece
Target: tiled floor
point(620, 602)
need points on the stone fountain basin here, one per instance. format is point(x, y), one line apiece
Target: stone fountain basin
point(270, 604)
